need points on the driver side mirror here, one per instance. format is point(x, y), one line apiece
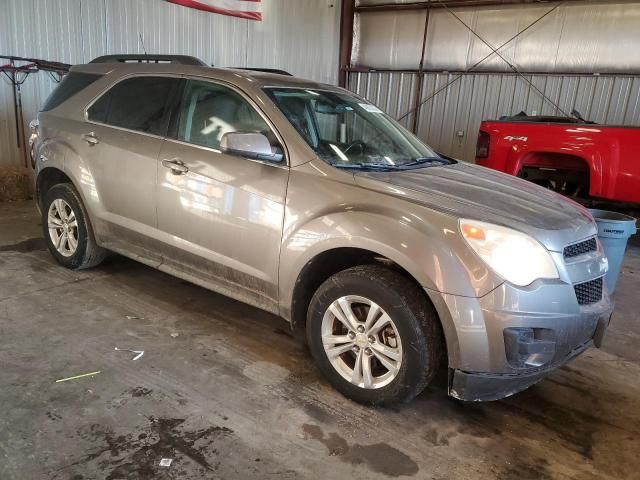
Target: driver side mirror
point(250, 145)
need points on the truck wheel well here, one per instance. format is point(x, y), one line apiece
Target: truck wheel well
point(563, 173)
point(48, 178)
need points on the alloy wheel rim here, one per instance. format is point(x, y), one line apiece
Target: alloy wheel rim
point(361, 342)
point(63, 227)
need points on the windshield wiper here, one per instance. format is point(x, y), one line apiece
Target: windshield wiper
point(431, 161)
point(385, 167)
point(365, 166)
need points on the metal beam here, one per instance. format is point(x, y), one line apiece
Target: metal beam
point(434, 4)
point(346, 39)
point(364, 69)
point(419, 82)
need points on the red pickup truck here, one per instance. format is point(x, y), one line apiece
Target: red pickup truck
point(572, 156)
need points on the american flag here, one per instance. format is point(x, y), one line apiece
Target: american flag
point(249, 9)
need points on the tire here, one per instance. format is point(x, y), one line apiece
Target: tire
point(414, 335)
point(86, 253)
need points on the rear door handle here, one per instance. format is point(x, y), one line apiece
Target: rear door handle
point(90, 138)
point(176, 166)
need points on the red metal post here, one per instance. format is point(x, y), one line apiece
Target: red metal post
point(346, 39)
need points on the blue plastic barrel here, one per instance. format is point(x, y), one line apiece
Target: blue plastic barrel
point(614, 229)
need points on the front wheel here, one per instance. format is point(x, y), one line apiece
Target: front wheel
point(374, 335)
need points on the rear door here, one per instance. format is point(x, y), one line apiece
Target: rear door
point(219, 214)
point(124, 133)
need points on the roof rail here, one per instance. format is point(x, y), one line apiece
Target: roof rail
point(265, 70)
point(175, 59)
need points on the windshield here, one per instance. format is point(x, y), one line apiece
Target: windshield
point(347, 132)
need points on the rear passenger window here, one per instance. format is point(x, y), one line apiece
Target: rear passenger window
point(68, 87)
point(138, 103)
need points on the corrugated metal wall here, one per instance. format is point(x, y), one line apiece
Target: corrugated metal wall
point(577, 37)
point(303, 37)
point(299, 36)
point(560, 55)
point(450, 120)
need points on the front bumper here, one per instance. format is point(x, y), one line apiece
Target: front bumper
point(485, 387)
point(488, 361)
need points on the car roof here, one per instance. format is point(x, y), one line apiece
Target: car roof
point(247, 78)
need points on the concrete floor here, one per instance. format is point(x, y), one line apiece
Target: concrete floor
point(224, 391)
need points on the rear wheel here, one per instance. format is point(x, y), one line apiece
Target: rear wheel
point(67, 230)
point(374, 335)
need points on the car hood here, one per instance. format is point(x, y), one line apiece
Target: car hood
point(470, 191)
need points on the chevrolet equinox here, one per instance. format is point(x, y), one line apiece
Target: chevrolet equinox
point(309, 202)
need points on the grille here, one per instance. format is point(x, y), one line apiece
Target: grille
point(580, 248)
point(589, 292)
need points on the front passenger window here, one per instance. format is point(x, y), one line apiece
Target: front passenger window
point(210, 110)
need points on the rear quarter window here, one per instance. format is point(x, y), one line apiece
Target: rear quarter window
point(73, 83)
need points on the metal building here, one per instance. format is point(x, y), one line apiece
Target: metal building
point(429, 57)
point(76, 31)
point(217, 274)
point(552, 57)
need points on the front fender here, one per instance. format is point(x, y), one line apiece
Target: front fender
point(435, 256)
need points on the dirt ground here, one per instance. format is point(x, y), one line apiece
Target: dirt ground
point(226, 392)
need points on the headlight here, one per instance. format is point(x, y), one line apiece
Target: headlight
point(514, 256)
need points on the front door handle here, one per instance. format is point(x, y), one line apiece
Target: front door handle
point(176, 166)
point(90, 138)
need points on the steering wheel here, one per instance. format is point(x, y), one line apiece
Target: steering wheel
point(354, 144)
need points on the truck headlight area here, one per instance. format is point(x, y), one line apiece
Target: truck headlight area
point(513, 255)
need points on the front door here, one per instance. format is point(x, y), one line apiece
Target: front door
point(125, 129)
point(220, 214)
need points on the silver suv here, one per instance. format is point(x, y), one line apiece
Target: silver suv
point(307, 201)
